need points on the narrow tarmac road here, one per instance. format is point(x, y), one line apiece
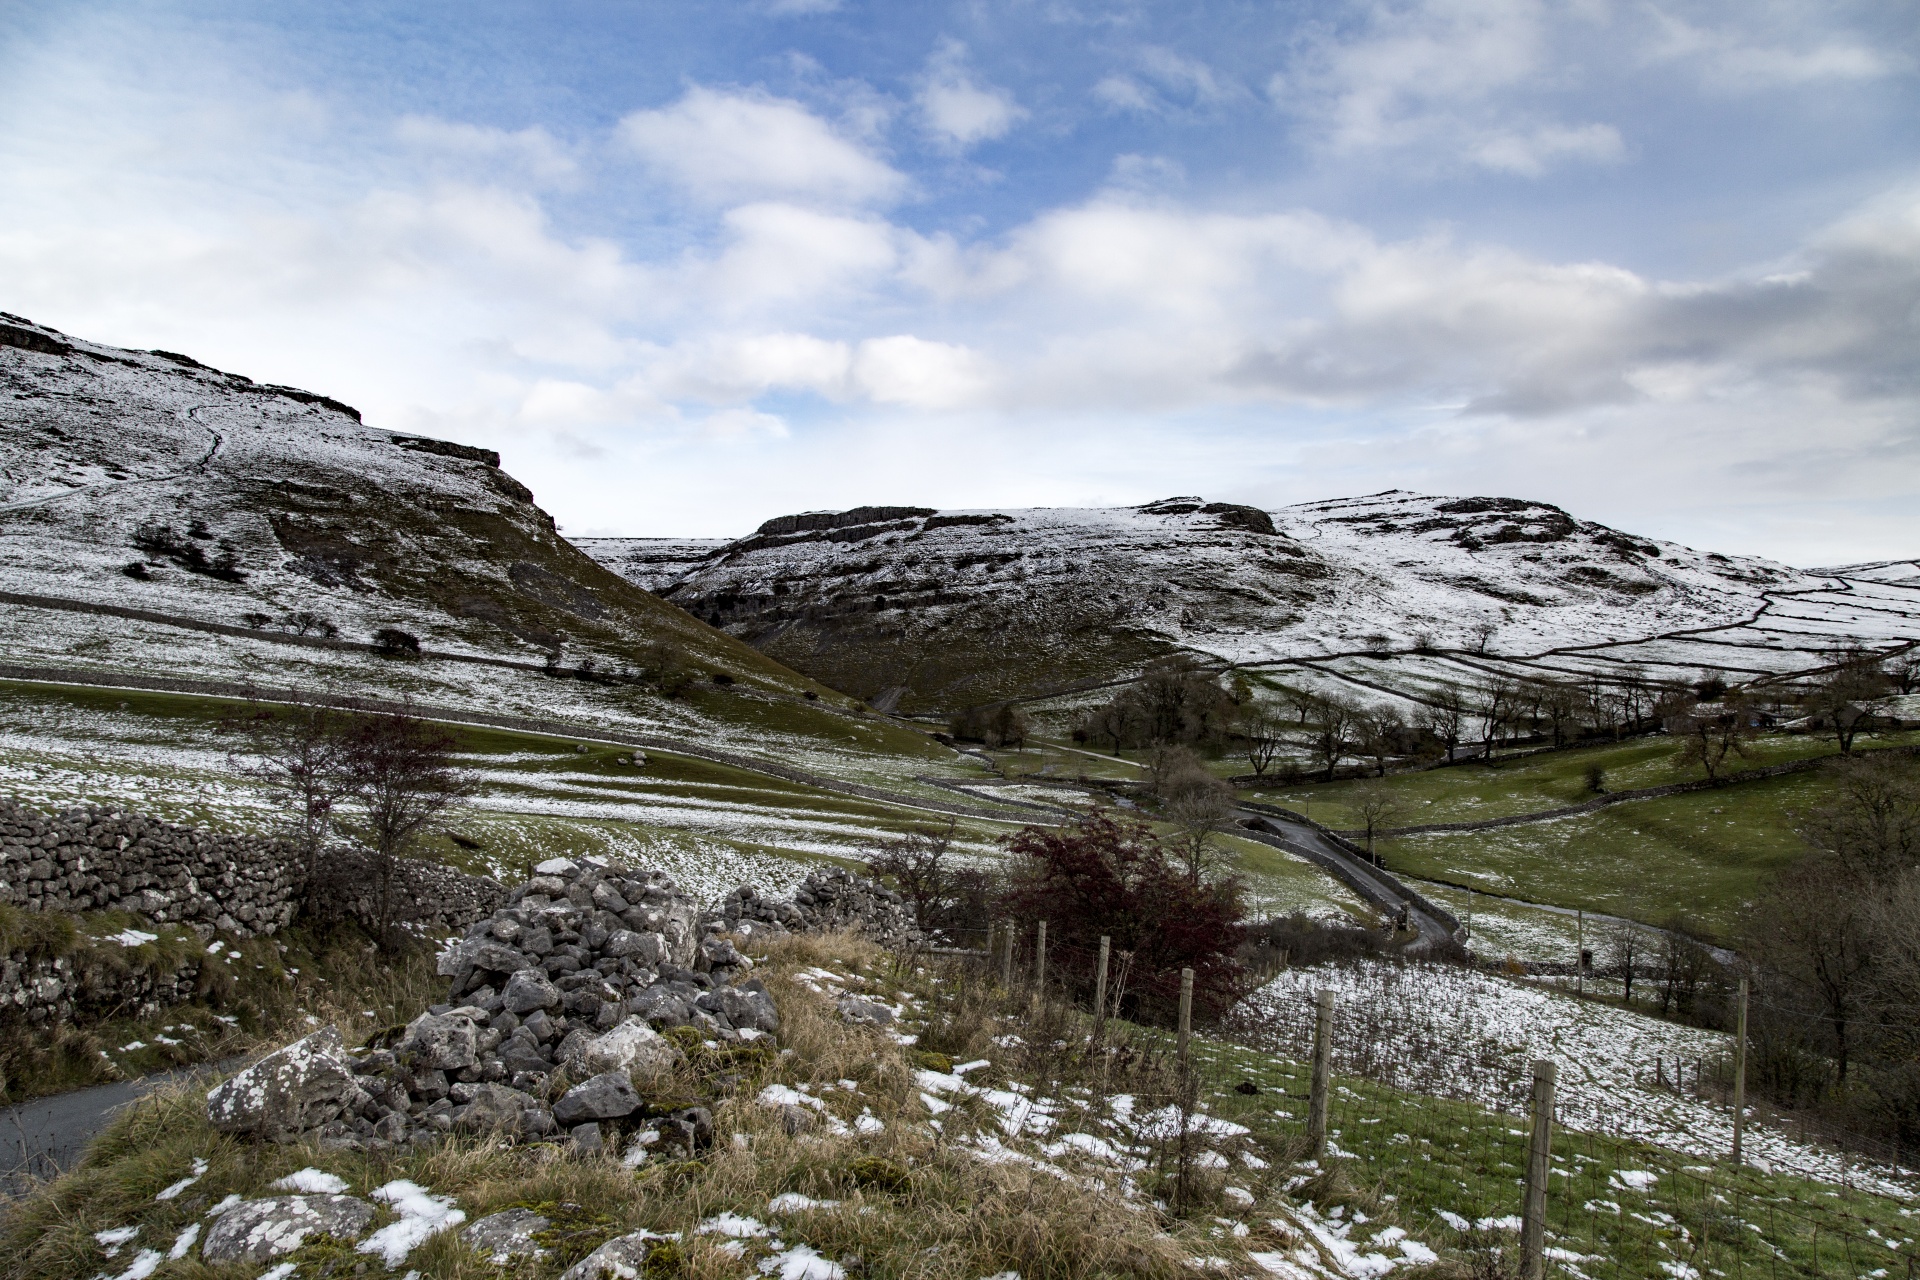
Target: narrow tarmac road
point(1371, 883)
point(46, 1137)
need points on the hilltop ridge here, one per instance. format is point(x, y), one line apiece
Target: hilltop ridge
point(934, 608)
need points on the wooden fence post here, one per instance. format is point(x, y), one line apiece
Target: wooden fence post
point(1533, 1216)
point(1186, 1012)
point(1580, 954)
point(1740, 1073)
point(1100, 986)
point(1006, 954)
point(1040, 959)
point(1322, 1070)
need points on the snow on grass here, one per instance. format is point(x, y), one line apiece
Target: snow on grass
point(422, 1215)
point(1465, 1033)
point(313, 1182)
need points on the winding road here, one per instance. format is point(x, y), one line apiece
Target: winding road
point(1284, 830)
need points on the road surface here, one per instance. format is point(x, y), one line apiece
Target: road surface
point(1296, 835)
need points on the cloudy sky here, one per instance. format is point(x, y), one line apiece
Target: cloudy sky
point(689, 266)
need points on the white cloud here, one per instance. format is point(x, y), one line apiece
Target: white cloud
point(1445, 78)
point(1732, 62)
point(913, 372)
point(1163, 82)
point(746, 145)
point(958, 111)
point(1533, 152)
point(533, 148)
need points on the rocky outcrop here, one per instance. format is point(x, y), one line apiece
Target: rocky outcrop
point(91, 859)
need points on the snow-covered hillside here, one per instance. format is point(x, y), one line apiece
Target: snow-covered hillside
point(146, 480)
point(959, 606)
point(159, 518)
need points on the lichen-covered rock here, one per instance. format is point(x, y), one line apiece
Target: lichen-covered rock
point(746, 1007)
point(632, 1046)
point(621, 1258)
point(864, 1013)
point(607, 1096)
point(443, 1041)
point(260, 1230)
point(289, 1092)
point(527, 990)
point(507, 1236)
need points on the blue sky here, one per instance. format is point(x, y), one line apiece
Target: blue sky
point(690, 266)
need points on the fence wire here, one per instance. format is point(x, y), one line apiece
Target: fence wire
point(1453, 1135)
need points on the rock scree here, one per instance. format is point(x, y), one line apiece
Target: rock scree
point(564, 1007)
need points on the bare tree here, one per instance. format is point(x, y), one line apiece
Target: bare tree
point(1873, 825)
point(1379, 732)
point(300, 753)
point(1495, 703)
point(1331, 731)
point(1685, 965)
point(1379, 808)
point(1626, 950)
point(1814, 930)
point(1194, 801)
point(1260, 727)
point(1709, 732)
point(1848, 695)
point(1445, 717)
point(401, 777)
point(1560, 704)
point(1903, 670)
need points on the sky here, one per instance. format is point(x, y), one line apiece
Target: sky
point(688, 267)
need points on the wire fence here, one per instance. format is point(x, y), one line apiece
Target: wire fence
point(1448, 1136)
point(1454, 1136)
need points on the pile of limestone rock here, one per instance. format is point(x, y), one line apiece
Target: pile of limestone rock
point(555, 1018)
point(827, 900)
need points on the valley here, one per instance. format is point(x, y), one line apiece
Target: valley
point(183, 551)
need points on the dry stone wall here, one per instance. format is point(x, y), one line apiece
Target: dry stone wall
point(37, 990)
point(93, 859)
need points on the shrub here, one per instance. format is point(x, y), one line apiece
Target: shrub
point(392, 642)
point(1115, 878)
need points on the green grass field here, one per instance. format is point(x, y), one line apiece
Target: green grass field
point(1703, 854)
point(1538, 782)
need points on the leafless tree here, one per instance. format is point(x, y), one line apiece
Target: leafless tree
point(1261, 728)
point(300, 753)
point(1445, 717)
point(1379, 808)
point(1848, 695)
point(1813, 929)
point(1560, 704)
point(1626, 945)
point(1194, 801)
point(401, 776)
point(1903, 670)
point(1709, 732)
point(1872, 826)
point(1331, 730)
point(1495, 703)
point(1379, 731)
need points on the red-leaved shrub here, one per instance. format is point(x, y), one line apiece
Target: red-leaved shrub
point(1113, 877)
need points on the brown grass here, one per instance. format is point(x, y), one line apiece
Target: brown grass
point(915, 1200)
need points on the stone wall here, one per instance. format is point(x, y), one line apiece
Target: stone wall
point(92, 859)
point(81, 988)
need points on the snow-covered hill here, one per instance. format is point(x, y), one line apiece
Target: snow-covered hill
point(957, 606)
point(147, 480)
